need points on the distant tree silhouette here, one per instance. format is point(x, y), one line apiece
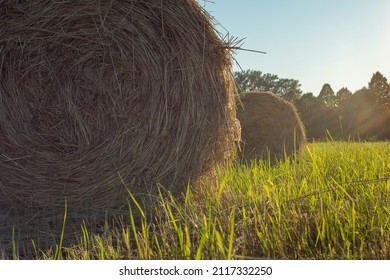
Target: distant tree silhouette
point(254, 80)
point(307, 107)
point(342, 98)
point(362, 115)
point(327, 96)
point(379, 87)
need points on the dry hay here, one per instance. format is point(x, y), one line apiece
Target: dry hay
point(98, 96)
point(270, 127)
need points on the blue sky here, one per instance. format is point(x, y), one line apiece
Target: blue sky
point(340, 42)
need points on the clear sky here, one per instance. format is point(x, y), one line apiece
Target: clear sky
point(340, 42)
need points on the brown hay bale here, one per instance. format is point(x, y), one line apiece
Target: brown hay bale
point(269, 124)
point(99, 95)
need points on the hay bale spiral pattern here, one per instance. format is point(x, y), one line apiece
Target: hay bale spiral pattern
point(99, 95)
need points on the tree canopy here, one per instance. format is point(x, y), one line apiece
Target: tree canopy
point(364, 114)
point(253, 80)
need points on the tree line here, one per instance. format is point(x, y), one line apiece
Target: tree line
point(362, 115)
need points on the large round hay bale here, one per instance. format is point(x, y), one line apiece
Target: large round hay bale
point(100, 96)
point(270, 127)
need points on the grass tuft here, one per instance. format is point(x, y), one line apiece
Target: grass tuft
point(329, 202)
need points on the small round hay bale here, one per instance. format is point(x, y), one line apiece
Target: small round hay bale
point(270, 126)
point(100, 96)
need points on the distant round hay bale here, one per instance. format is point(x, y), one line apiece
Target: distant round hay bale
point(270, 126)
point(100, 96)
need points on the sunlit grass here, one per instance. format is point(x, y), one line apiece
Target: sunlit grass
point(330, 202)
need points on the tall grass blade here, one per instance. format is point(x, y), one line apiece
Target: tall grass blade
point(14, 247)
point(58, 252)
point(231, 235)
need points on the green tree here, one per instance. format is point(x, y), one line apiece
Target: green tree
point(307, 107)
point(254, 80)
point(342, 97)
point(360, 119)
point(327, 96)
point(380, 89)
point(249, 80)
point(307, 101)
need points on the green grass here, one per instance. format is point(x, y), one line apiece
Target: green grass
point(330, 202)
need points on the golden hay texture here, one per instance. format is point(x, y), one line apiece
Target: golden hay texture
point(269, 124)
point(97, 96)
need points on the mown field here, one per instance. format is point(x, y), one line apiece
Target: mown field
point(330, 202)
